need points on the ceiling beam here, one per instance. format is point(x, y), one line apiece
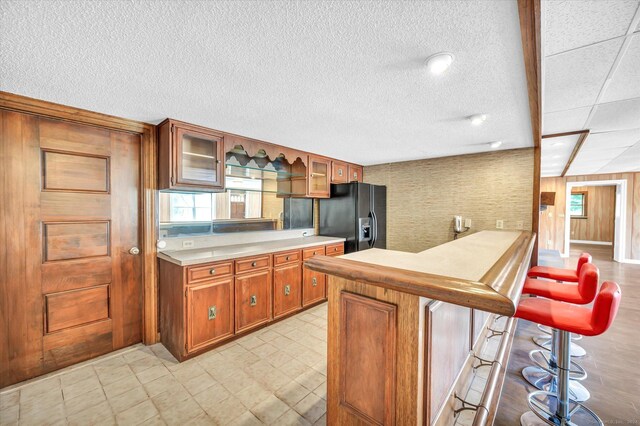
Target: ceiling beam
point(576, 149)
point(559, 135)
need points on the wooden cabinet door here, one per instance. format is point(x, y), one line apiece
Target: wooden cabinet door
point(339, 172)
point(287, 289)
point(355, 173)
point(209, 313)
point(253, 299)
point(318, 177)
point(314, 286)
point(199, 158)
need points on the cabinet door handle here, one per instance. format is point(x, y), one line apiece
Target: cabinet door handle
point(286, 258)
point(287, 290)
point(314, 282)
point(253, 264)
point(339, 172)
point(253, 300)
point(213, 311)
point(212, 271)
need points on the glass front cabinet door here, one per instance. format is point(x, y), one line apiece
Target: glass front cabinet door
point(319, 177)
point(196, 157)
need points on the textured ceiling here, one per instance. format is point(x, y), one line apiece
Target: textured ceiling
point(592, 81)
point(343, 79)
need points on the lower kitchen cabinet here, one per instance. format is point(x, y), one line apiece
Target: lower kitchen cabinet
point(287, 289)
point(314, 287)
point(253, 299)
point(209, 313)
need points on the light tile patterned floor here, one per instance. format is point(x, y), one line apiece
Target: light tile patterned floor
point(274, 376)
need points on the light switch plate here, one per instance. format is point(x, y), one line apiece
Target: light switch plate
point(499, 224)
point(467, 223)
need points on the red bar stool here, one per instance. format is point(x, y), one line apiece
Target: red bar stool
point(560, 275)
point(557, 408)
point(544, 375)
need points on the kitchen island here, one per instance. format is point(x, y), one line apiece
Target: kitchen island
point(403, 327)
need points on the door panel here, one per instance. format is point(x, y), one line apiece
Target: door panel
point(313, 287)
point(209, 313)
point(74, 217)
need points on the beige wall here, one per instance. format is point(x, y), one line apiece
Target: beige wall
point(552, 220)
point(598, 223)
point(424, 195)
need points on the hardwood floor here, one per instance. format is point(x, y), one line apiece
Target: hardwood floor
point(611, 360)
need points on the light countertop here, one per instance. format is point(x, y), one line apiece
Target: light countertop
point(468, 258)
point(214, 254)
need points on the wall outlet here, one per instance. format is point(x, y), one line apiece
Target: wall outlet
point(519, 224)
point(467, 223)
point(499, 224)
point(187, 244)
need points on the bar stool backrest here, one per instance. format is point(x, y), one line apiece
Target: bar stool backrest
point(588, 279)
point(605, 307)
point(582, 260)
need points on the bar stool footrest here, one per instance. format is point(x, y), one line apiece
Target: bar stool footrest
point(545, 343)
point(542, 359)
point(543, 404)
point(543, 380)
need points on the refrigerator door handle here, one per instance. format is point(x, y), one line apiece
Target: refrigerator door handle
point(375, 228)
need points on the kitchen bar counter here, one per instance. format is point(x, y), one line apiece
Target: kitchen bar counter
point(403, 327)
point(214, 254)
point(484, 270)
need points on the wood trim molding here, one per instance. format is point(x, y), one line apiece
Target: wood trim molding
point(498, 291)
point(530, 26)
point(148, 180)
point(559, 135)
point(574, 153)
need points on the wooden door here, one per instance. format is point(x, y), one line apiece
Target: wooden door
point(287, 289)
point(355, 173)
point(253, 299)
point(209, 313)
point(339, 172)
point(313, 286)
point(318, 177)
point(71, 288)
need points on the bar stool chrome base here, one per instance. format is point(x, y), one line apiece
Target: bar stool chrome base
point(543, 405)
point(543, 360)
point(545, 343)
point(547, 330)
point(545, 381)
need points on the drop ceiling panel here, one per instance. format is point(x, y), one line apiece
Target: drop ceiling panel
point(574, 79)
point(625, 82)
point(611, 140)
point(565, 121)
point(571, 24)
point(619, 115)
point(343, 79)
point(629, 161)
point(555, 154)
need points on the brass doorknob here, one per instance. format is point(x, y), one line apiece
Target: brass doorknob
point(134, 250)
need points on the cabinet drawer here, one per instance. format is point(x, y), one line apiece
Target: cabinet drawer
point(209, 313)
point(200, 273)
point(287, 289)
point(313, 286)
point(286, 257)
point(335, 249)
point(253, 300)
point(313, 251)
point(252, 263)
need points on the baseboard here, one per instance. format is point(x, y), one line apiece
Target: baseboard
point(595, 243)
point(633, 261)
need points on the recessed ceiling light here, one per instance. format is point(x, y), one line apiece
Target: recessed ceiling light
point(556, 156)
point(477, 119)
point(558, 144)
point(495, 144)
point(439, 62)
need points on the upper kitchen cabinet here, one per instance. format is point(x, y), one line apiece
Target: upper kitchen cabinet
point(190, 157)
point(318, 177)
point(355, 173)
point(339, 172)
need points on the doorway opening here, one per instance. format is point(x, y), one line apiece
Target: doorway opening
point(596, 215)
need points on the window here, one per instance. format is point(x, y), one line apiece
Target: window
point(578, 205)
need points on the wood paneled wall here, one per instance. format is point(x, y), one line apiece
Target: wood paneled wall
point(598, 224)
point(424, 195)
point(552, 220)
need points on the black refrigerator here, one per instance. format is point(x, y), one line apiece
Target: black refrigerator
point(358, 212)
